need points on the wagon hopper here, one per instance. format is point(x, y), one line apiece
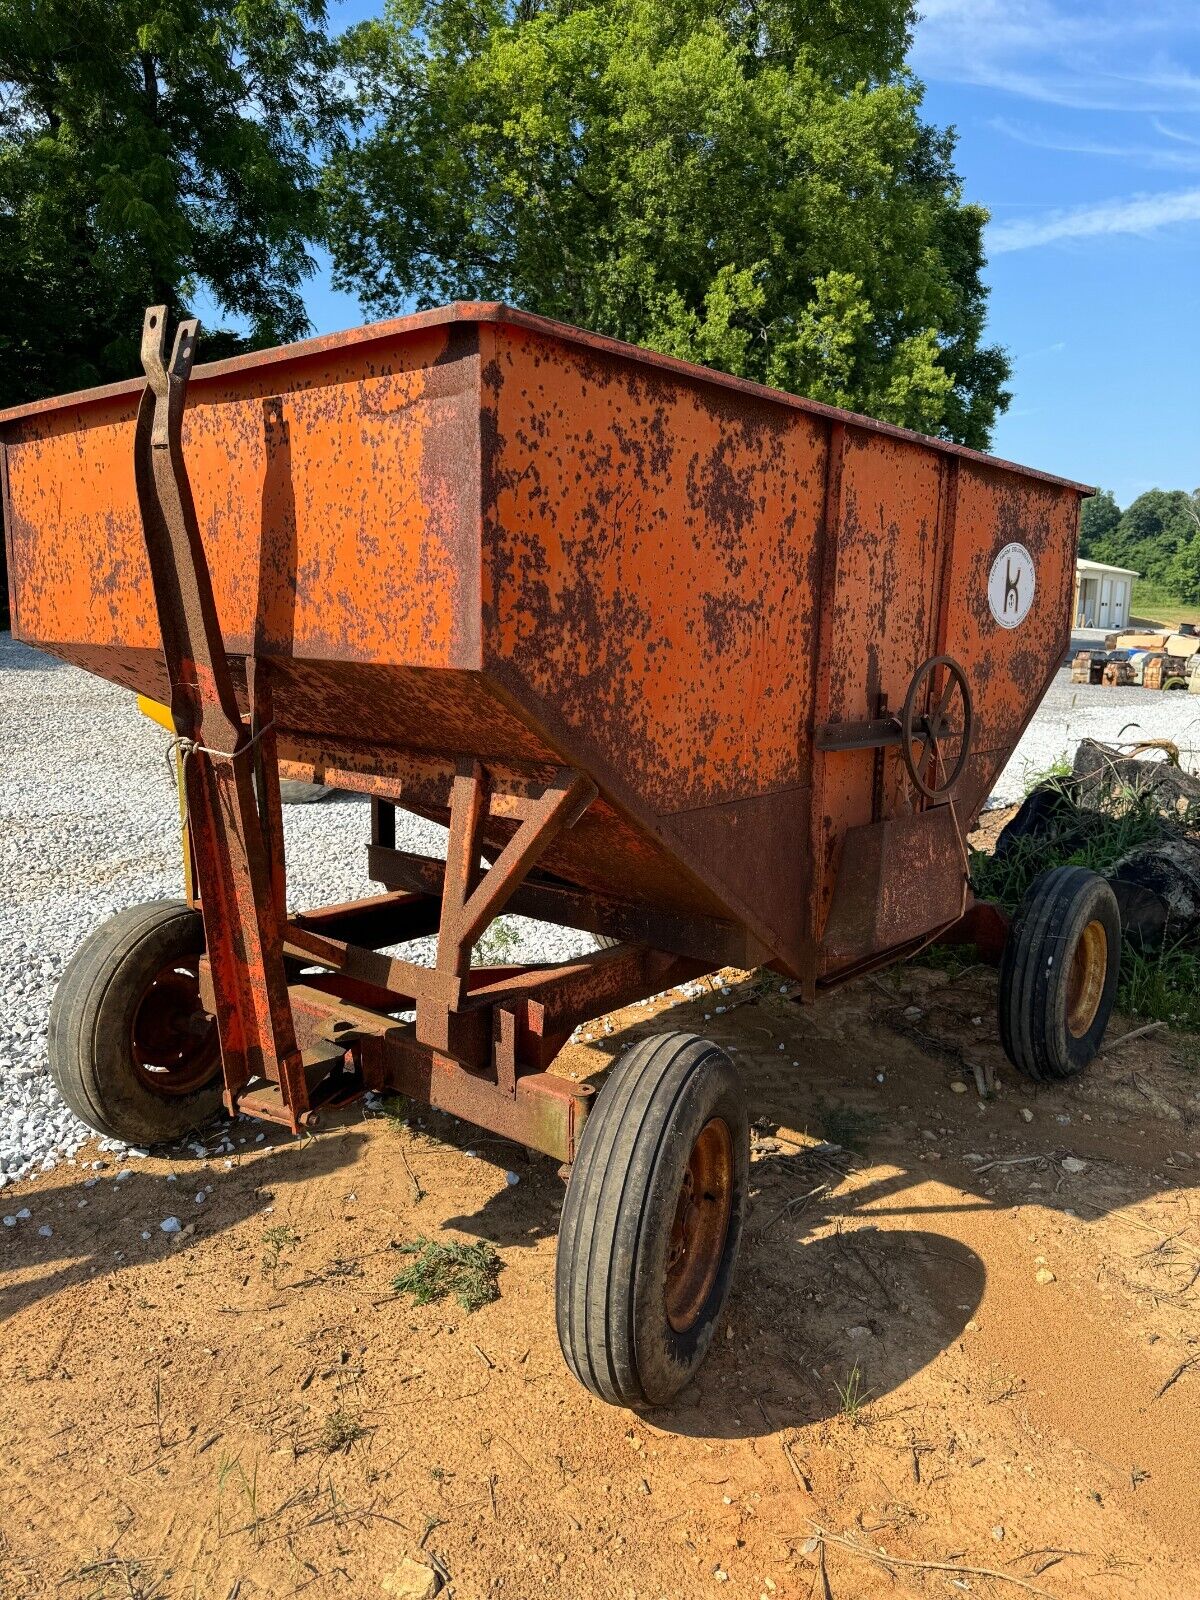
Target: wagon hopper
point(717, 673)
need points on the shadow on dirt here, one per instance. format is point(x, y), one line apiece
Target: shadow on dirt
point(33, 1267)
point(819, 1322)
point(818, 1327)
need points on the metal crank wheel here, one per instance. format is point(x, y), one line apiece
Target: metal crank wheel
point(950, 723)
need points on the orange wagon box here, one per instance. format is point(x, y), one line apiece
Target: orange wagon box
point(718, 674)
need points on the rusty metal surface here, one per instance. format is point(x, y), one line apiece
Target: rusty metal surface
point(539, 1109)
point(239, 877)
point(721, 944)
point(898, 880)
point(367, 338)
point(477, 534)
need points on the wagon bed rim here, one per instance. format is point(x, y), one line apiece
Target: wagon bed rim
point(496, 312)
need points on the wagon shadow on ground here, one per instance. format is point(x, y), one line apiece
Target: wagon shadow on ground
point(819, 1321)
point(94, 1243)
point(18, 657)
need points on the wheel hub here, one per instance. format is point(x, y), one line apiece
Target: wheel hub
point(173, 1039)
point(1085, 983)
point(700, 1224)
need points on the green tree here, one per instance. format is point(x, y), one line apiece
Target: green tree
point(1097, 523)
point(1158, 535)
point(153, 150)
point(747, 185)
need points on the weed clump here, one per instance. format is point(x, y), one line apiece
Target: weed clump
point(467, 1271)
point(849, 1126)
point(275, 1241)
point(853, 1394)
point(339, 1431)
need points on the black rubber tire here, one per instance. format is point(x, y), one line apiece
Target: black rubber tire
point(91, 1018)
point(1036, 967)
point(610, 1277)
point(296, 792)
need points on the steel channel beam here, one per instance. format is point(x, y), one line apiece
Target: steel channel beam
point(724, 944)
point(543, 1111)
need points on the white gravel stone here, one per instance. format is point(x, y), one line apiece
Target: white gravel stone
point(1074, 711)
point(170, 1224)
point(88, 827)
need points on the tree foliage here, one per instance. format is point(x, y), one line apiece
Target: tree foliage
point(1157, 536)
point(1098, 521)
point(153, 150)
point(746, 185)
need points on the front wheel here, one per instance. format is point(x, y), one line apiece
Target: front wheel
point(652, 1220)
point(1058, 975)
point(132, 1051)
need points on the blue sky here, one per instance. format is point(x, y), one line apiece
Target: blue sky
point(1079, 129)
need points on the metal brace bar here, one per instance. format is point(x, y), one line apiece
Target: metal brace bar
point(238, 887)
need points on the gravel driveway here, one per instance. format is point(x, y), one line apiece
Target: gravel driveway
point(1074, 711)
point(87, 826)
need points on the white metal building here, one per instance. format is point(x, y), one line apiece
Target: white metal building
point(1102, 595)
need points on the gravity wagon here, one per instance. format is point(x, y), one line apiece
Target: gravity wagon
point(715, 673)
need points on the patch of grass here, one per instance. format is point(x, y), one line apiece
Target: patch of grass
point(339, 1431)
point(848, 1126)
point(1098, 843)
point(396, 1109)
point(1163, 986)
point(248, 1485)
point(1153, 603)
point(498, 944)
point(467, 1271)
point(275, 1241)
point(951, 958)
point(852, 1396)
point(1059, 768)
point(1159, 986)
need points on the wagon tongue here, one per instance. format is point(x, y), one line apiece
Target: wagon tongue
point(224, 761)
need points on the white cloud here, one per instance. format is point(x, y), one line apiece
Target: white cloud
point(1140, 214)
point(1055, 349)
point(1168, 158)
point(1103, 56)
point(1173, 133)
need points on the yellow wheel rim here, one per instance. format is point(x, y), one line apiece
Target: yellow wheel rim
point(1085, 981)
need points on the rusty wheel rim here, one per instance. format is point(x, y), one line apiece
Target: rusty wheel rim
point(700, 1225)
point(173, 1039)
point(1085, 982)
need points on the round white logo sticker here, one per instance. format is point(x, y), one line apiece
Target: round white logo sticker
point(1011, 585)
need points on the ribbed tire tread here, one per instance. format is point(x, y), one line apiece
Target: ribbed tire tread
point(86, 1062)
point(610, 1328)
point(1035, 966)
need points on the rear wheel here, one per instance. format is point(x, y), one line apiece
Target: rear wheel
point(132, 1051)
point(1058, 976)
point(652, 1220)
